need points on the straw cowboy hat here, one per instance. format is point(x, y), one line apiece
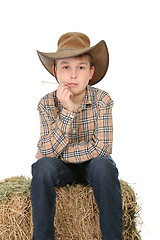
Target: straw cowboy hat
point(74, 44)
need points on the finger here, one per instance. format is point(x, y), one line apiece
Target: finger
point(62, 91)
point(62, 85)
point(39, 155)
point(61, 88)
point(66, 95)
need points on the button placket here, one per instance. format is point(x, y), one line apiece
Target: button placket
point(74, 128)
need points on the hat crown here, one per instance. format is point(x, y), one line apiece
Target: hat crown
point(73, 40)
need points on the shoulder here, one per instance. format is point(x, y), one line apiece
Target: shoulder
point(49, 99)
point(100, 97)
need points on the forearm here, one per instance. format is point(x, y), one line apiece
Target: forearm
point(54, 138)
point(85, 151)
point(53, 144)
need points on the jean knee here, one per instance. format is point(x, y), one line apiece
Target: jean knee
point(44, 168)
point(103, 167)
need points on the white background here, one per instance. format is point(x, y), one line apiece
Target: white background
point(131, 30)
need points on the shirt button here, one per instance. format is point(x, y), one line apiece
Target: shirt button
point(74, 131)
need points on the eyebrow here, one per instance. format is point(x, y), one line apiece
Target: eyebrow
point(64, 63)
point(83, 63)
point(78, 63)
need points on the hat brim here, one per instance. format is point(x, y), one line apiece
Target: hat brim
point(99, 54)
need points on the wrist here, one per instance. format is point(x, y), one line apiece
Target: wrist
point(68, 108)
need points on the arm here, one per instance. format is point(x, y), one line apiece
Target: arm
point(54, 130)
point(101, 143)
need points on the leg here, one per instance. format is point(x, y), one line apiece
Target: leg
point(102, 175)
point(47, 173)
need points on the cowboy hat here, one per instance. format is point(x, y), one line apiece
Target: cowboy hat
point(74, 44)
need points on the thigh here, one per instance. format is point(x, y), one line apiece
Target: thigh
point(100, 168)
point(62, 173)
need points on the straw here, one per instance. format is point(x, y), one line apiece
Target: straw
point(77, 215)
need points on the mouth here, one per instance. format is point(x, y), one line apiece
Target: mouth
point(72, 84)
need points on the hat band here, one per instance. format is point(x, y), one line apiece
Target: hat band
point(70, 49)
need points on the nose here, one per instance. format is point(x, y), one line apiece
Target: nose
point(73, 74)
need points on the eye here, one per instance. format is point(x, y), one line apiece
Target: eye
point(66, 67)
point(81, 68)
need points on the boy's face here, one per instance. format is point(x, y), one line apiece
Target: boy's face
point(75, 72)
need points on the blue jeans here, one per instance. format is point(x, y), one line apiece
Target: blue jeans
point(101, 173)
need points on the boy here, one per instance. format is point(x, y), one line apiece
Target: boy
point(76, 136)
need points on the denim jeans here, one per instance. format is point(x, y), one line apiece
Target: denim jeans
point(101, 173)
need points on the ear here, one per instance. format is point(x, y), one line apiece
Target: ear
point(91, 72)
point(55, 73)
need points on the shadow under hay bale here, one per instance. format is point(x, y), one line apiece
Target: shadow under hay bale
point(77, 215)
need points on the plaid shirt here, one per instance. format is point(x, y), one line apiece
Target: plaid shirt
point(76, 136)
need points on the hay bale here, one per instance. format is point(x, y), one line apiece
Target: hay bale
point(15, 209)
point(77, 215)
point(131, 213)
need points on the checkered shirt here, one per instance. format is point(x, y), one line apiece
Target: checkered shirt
point(79, 136)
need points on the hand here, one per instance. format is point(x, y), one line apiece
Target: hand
point(39, 155)
point(65, 96)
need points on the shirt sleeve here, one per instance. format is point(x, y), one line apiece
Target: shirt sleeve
point(54, 131)
point(101, 142)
